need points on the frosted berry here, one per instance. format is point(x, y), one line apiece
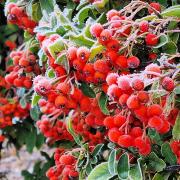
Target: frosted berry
point(133, 62)
point(151, 39)
point(168, 84)
point(96, 29)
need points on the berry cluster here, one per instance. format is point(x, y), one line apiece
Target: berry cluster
point(25, 63)
point(137, 110)
point(64, 166)
point(17, 15)
point(10, 110)
point(115, 91)
point(61, 99)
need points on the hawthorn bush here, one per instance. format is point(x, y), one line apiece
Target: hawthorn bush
point(99, 81)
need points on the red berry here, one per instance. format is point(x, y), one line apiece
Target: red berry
point(90, 119)
point(151, 39)
point(124, 83)
point(114, 91)
point(105, 37)
point(168, 84)
point(64, 87)
point(156, 6)
point(175, 146)
point(67, 159)
point(152, 56)
point(71, 53)
point(88, 70)
point(112, 78)
point(141, 113)
point(119, 120)
point(133, 62)
point(121, 61)
point(109, 122)
point(165, 128)
point(85, 104)
point(125, 141)
point(99, 77)
point(155, 122)
point(113, 45)
point(143, 96)
point(78, 65)
point(27, 83)
point(96, 29)
point(138, 84)
point(111, 14)
point(61, 101)
point(83, 53)
point(101, 66)
point(144, 26)
point(136, 132)
point(111, 56)
point(123, 99)
point(133, 102)
point(17, 11)
point(143, 145)
point(113, 134)
point(154, 110)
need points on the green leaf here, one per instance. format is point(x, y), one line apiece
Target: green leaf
point(83, 14)
point(162, 41)
point(154, 135)
point(170, 48)
point(81, 40)
point(89, 168)
point(81, 5)
point(42, 57)
point(27, 175)
point(176, 128)
point(112, 162)
point(103, 103)
point(31, 140)
point(35, 113)
point(47, 6)
point(177, 89)
point(45, 155)
point(44, 30)
point(168, 154)
point(36, 12)
point(87, 90)
point(96, 49)
point(97, 150)
point(35, 99)
point(62, 60)
point(94, 160)
point(72, 132)
point(56, 47)
point(173, 37)
point(37, 167)
point(123, 166)
point(51, 73)
point(100, 172)
point(172, 11)
point(161, 176)
point(23, 102)
point(154, 163)
point(39, 141)
point(102, 18)
point(135, 172)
